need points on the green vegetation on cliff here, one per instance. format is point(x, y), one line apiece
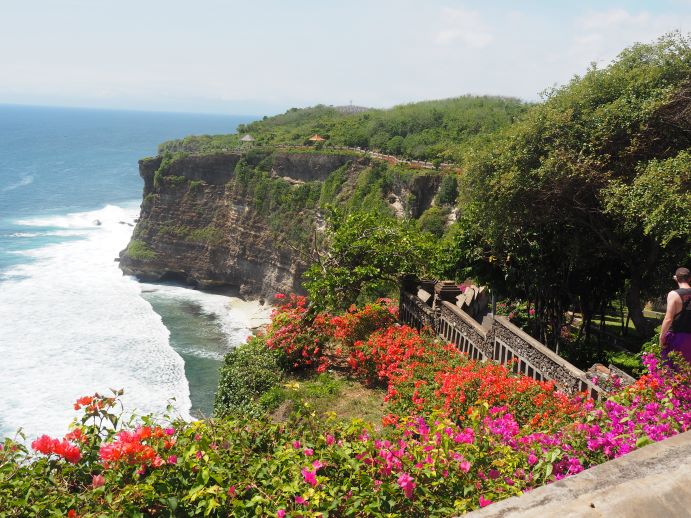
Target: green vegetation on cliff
point(424, 130)
point(140, 251)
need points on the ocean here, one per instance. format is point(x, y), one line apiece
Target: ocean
point(70, 323)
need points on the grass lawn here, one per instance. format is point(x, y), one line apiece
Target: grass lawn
point(328, 394)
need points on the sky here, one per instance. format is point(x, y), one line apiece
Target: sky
point(261, 57)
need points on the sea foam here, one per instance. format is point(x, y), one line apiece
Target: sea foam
point(72, 324)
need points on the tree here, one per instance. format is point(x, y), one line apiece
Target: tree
point(561, 196)
point(364, 254)
point(448, 190)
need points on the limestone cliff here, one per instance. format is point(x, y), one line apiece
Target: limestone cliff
point(220, 219)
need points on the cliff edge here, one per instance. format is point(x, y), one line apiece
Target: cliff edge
point(227, 219)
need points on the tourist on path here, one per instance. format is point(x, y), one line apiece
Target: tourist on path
point(676, 327)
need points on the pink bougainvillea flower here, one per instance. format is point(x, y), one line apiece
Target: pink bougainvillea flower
point(97, 481)
point(64, 449)
point(484, 502)
point(300, 501)
point(231, 491)
point(407, 484)
point(281, 513)
point(172, 459)
point(308, 451)
point(310, 477)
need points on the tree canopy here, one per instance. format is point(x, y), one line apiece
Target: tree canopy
point(365, 254)
point(587, 194)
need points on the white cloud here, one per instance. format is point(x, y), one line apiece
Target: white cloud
point(464, 26)
point(611, 18)
point(601, 35)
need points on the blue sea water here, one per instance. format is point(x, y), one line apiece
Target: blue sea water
point(70, 322)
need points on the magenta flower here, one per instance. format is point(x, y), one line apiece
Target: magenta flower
point(484, 502)
point(172, 459)
point(308, 451)
point(97, 481)
point(407, 484)
point(310, 477)
point(300, 501)
point(281, 513)
point(296, 445)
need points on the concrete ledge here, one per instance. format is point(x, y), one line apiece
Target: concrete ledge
point(654, 481)
point(541, 348)
point(467, 319)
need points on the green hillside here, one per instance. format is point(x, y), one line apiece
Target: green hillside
point(424, 130)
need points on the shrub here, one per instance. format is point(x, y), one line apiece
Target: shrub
point(140, 251)
point(433, 220)
point(242, 466)
point(248, 372)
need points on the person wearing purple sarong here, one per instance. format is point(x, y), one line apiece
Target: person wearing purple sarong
point(676, 327)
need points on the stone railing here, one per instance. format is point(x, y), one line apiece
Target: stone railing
point(497, 339)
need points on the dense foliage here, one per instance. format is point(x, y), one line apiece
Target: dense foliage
point(424, 130)
point(364, 255)
point(586, 196)
point(461, 435)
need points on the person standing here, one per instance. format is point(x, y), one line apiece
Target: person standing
point(676, 327)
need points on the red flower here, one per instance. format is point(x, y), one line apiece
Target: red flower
point(83, 401)
point(64, 449)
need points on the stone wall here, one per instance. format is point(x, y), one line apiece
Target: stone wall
point(496, 339)
point(650, 482)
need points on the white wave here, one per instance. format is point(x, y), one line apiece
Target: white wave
point(57, 233)
point(107, 216)
point(26, 234)
point(23, 181)
point(72, 324)
point(236, 317)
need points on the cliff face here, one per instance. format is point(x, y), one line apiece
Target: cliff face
point(212, 220)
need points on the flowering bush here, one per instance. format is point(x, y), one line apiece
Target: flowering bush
point(359, 323)
point(424, 375)
point(387, 353)
point(315, 339)
point(299, 335)
point(461, 434)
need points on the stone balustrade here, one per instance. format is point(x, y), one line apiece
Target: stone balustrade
point(497, 339)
